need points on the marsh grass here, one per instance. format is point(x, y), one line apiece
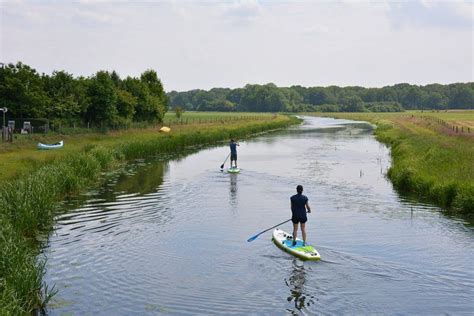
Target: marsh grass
point(426, 161)
point(27, 203)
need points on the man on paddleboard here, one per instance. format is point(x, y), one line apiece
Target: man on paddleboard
point(233, 153)
point(299, 206)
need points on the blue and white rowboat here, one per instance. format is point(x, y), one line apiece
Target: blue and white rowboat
point(51, 146)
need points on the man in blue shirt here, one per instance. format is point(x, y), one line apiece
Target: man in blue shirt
point(299, 206)
point(233, 153)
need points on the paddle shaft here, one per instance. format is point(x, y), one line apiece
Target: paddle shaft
point(255, 237)
point(222, 166)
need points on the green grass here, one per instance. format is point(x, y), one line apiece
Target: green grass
point(429, 160)
point(202, 117)
point(28, 199)
point(21, 157)
point(456, 117)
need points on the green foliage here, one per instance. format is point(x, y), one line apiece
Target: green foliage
point(178, 111)
point(22, 91)
point(27, 208)
point(269, 98)
point(103, 100)
point(65, 94)
point(157, 100)
point(126, 104)
point(20, 273)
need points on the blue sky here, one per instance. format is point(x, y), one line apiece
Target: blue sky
point(205, 44)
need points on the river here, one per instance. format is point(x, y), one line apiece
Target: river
point(168, 235)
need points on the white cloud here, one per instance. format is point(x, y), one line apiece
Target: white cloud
point(437, 14)
point(209, 44)
point(243, 8)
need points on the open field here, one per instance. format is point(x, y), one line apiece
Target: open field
point(456, 118)
point(203, 117)
point(431, 159)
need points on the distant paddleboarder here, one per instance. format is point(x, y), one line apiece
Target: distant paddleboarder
point(233, 153)
point(299, 207)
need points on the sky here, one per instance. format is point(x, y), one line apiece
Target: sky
point(207, 44)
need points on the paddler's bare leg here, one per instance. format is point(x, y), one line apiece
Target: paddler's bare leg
point(295, 232)
point(303, 232)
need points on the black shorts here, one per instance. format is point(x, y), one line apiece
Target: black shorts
point(297, 220)
point(233, 157)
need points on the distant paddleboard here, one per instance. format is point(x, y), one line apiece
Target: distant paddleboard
point(233, 170)
point(284, 241)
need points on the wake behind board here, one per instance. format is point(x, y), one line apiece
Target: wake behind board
point(233, 170)
point(284, 241)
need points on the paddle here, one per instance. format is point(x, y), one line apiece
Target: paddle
point(255, 237)
point(222, 166)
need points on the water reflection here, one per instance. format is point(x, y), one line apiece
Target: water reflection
point(296, 283)
point(233, 190)
point(144, 180)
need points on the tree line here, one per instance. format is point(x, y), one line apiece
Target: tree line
point(270, 98)
point(101, 100)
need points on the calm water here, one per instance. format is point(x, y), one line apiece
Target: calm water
point(168, 236)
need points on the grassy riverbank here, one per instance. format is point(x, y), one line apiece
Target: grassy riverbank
point(33, 181)
point(21, 157)
point(432, 154)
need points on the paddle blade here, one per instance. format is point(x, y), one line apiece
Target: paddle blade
point(252, 238)
point(222, 166)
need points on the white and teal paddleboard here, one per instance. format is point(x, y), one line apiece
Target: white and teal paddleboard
point(284, 241)
point(233, 170)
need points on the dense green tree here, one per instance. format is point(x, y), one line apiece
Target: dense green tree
point(147, 107)
point(102, 100)
point(352, 103)
point(65, 93)
point(157, 103)
point(462, 96)
point(102, 95)
point(126, 104)
point(22, 92)
point(269, 98)
point(106, 100)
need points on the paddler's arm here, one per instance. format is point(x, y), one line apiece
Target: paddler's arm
point(307, 207)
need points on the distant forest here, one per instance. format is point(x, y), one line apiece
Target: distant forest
point(106, 100)
point(101, 100)
point(270, 98)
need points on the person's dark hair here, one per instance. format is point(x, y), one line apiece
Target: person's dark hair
point(299, 188)
point(232, 140)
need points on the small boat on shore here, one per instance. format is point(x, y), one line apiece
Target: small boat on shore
point(51, 146)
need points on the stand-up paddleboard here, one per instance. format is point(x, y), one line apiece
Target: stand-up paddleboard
point(233, 170)
point(285, 241)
